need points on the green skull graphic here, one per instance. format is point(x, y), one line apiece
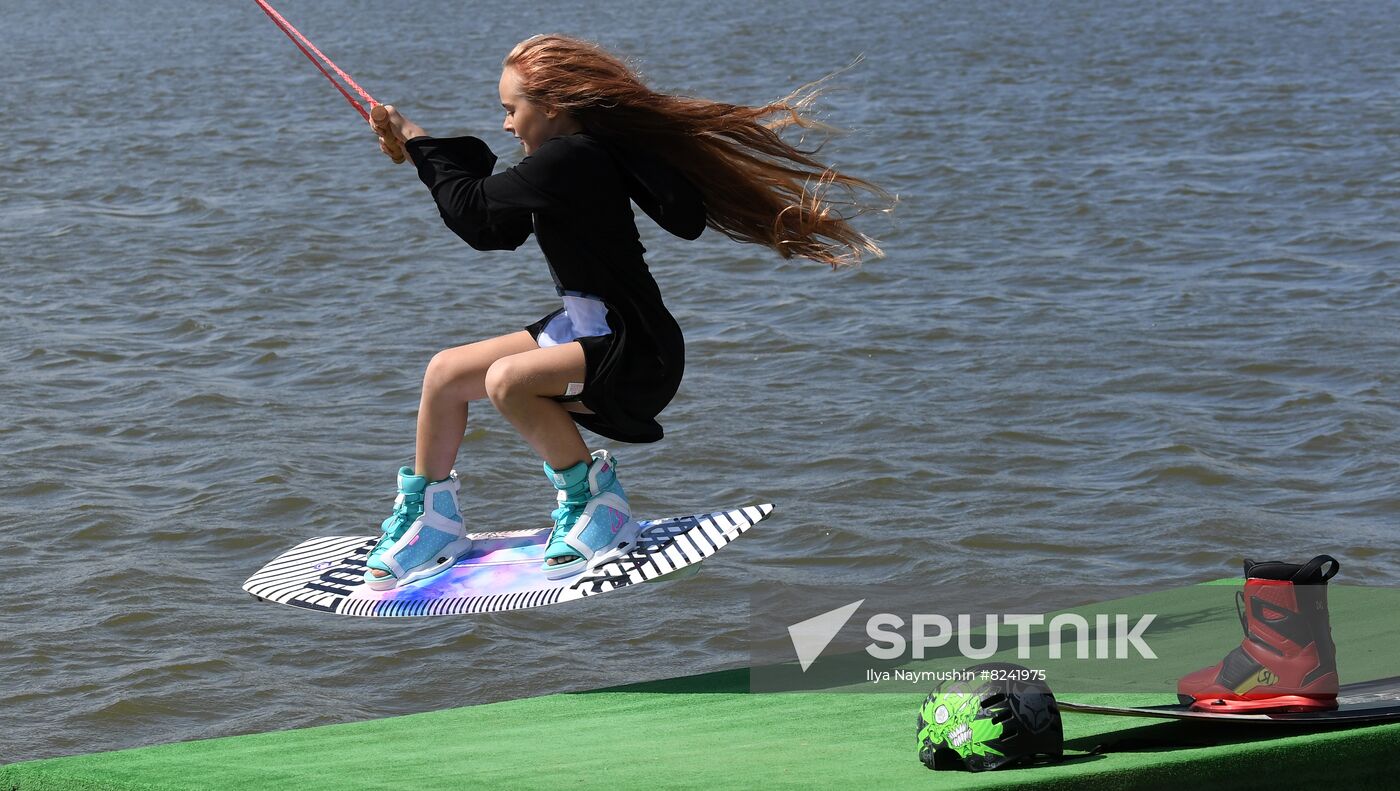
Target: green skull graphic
point(950, 719)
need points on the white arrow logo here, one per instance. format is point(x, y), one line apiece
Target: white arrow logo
point(812, 636)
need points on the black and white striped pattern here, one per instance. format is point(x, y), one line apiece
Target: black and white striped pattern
point(669, 545)
point(317, 574)
point(322, 573)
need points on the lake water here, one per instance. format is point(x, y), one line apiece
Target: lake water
point(1138, 319)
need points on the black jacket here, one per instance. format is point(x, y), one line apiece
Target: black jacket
point(575, 194)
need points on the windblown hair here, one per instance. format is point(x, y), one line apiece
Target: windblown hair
point(756, 186)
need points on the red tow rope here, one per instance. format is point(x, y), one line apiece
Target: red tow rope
point(307, 48)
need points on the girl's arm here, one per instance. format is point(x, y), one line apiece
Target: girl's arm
point(454, 170)
point(446, 168)
point(491, 212)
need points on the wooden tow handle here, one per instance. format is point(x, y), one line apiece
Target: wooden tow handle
point(378, 118)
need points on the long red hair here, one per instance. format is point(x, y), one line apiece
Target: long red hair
point(757, 187)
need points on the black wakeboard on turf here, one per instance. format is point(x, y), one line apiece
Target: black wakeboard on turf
point(1357, 704)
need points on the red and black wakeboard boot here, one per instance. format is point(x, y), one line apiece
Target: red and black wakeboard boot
point(1287, 660)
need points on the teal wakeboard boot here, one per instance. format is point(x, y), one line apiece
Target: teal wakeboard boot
point(593, 523)
point(423, 537)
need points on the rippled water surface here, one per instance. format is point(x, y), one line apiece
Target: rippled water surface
point(1138, 319)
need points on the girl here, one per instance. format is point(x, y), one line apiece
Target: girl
point(596, 140)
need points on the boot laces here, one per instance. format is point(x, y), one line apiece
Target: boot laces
point(565, 516)
point(570, 509)
point(408, 508)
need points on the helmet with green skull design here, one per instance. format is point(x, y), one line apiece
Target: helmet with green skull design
point(988, 720)
point(952, 719)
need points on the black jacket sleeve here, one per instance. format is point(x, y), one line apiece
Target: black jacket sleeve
point(493, 212)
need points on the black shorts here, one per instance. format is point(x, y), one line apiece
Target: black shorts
point(625, 386)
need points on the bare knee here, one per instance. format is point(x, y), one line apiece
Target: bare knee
point(448, 374)
point(504, 381)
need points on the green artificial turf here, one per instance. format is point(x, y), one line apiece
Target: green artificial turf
point(710, 731)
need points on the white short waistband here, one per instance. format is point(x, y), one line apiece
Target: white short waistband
point(582, 317)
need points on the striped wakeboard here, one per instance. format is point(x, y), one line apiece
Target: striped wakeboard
point(502, 571)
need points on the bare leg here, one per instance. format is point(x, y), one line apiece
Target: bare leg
point(523, 387)
point(454, 377)
point(521, 379)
